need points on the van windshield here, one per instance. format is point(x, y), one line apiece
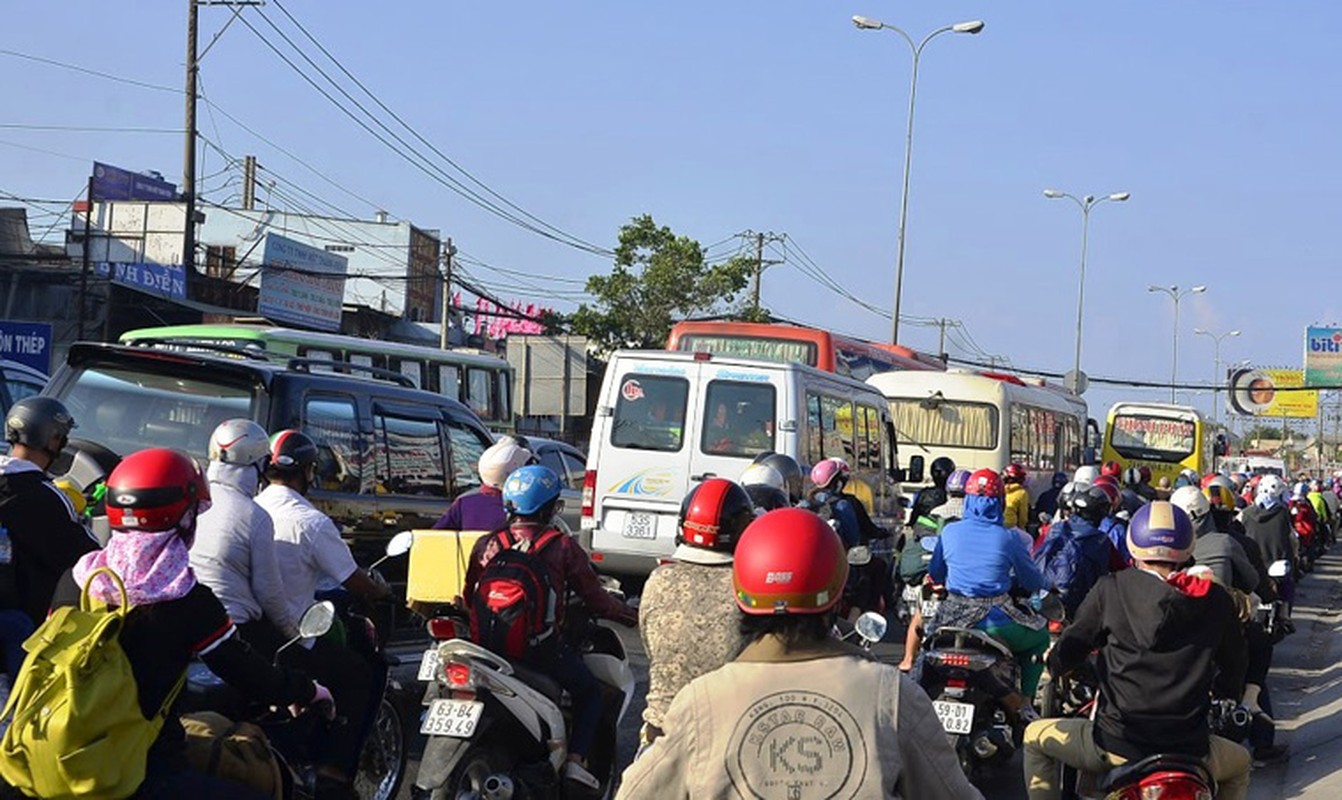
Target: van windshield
point(650, 413)
point(126, 409)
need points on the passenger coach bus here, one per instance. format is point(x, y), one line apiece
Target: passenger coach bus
point(1167, 438)
point(989, 420)
point(785, 343)
point(481, 382)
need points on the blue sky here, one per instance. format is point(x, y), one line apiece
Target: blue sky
point(778, 115)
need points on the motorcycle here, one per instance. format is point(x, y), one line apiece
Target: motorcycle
point(869, 629)
point(964, 671)
point(1168, 777)
point(497, 730)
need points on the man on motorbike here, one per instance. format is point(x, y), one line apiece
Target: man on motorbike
point(1077, 553)
point(980, 561)
point(773, 480)
point(1115, 522)
point(1016, 513)
point(482, 509)
point(234, 553)
point(311, 555)
point(868, 731)
point(1047, 504)
point(688, 617)
point(872, 584)
point(1166, 639)
point(929, 497)
point(532, 496)
point(1268, 522)
point(1216, 550)
point(1334, 506)
point(913, 559)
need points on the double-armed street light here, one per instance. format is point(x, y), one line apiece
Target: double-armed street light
point(1176, 294)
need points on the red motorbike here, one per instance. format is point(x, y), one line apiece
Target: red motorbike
point(1168, 777)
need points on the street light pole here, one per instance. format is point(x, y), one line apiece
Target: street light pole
point(1176, 295)
point(865, 23)
point(1085, 204)
point(1216, 376)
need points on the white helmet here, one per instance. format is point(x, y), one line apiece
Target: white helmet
point(763, 475)
point(1270, 486)
point(501, 459)
point(239, 442)
point(1192, 501)
point(1086, 474)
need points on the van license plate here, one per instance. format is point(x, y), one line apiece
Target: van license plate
point(455, 718)
point(639, 526)
point(955, 717)
point(430, 664)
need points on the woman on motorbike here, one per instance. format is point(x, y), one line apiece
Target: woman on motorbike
point(153, 500)
point(980, 561)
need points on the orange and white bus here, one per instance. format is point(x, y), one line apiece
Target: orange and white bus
point(786, 343)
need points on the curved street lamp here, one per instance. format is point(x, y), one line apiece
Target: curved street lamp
point(1217, 377)
point(1176, 294)
point(868, 24)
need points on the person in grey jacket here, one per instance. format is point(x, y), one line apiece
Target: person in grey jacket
point(1213, 549)
point(798, 714)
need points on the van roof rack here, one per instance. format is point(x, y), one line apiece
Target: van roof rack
point(348, 368)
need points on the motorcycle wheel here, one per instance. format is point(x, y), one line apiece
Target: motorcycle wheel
point(479, 762)
point(382, 764)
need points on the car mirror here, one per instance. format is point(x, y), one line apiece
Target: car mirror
point(914, 474)
point(871, 627)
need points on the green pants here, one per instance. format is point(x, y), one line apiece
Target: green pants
point(1029, 646)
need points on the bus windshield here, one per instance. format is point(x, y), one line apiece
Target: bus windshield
point(946, 423)
point(1153, 438)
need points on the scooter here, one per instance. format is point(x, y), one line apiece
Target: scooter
point(964, 670)
point(498, 730)
point(1168, 777)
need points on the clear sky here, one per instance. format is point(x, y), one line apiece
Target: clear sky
point(778, 115)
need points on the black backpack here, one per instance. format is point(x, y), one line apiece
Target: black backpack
point(512, 610)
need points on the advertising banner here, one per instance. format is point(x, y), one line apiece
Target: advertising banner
point(301, 285)
point(165, 280)
point(115, 183)
point(1258, 392)
point(1323, 356)
point(28, 343)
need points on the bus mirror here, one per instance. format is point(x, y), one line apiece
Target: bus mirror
point(1222, 447)
point(914, 473)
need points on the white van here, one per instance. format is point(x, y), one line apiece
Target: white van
point(666, 420)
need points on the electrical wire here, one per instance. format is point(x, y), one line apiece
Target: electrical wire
point(85, 128)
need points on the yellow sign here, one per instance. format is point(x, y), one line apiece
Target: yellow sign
point(1272, 393)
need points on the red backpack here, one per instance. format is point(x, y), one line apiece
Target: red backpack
point(512, 611)
point(1303, 520)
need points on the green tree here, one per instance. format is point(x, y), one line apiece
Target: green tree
point(658, 278)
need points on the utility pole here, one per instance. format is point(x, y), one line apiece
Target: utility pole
point(84, 272)
point(941, 340)
point(248, 183)
point(448, 252)
point(761, 263)
point(189, 150)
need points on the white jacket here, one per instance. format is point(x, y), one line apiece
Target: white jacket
point(234, 551)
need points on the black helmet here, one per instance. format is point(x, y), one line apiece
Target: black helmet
point(941, 469)
point(1092, 504)
point(712, 517)
point(291, 451)
point(766, 498)
point(788, 468)
point(35, 421)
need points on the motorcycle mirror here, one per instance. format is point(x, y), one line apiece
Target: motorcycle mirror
point(1279, 569)
point(316, 621)
point(928, 543)
point(859, 556)
point(398, 545)
point(1050, 605)
point(871, 627)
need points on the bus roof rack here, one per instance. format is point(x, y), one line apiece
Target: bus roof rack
point(306, 365)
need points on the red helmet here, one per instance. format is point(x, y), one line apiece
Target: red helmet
point(789, 561)
point(712, 517)
point(986, 483)
point(1014, 473)
point(152, 490)
point(1112, 468)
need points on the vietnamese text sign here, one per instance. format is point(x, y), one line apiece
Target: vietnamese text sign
point(301, 285)
point(1323, 356)
point(164, 280)
point(28, 343)
point(1257, 392)
point(114, 183)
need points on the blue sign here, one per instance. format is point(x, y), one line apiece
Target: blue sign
point(115, 183)
point(28, 343)
point(164, 280)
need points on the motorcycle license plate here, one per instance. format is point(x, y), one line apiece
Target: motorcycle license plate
point(955, 717)
point(929, 608)
point(455, 718)
point(430, 665)
point(639, 526)
point(912, 594)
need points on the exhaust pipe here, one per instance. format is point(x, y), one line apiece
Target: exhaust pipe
point(497, 787)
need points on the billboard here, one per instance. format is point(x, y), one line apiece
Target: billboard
point(115, 183)
point(139, 244)
point(1323, 356)
point(27, 343)
point(301, 285)
point(1261, 392)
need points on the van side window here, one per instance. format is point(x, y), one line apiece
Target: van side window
point(836, 412)
point(869, 439)
point(814, 435)
point(409, 455)
point(466, 449)
point(333, 423)
point(738, 418)
point(650, 413)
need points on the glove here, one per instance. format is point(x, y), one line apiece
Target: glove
point(322, 702)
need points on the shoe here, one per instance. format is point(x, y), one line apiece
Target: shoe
point(573, 771)
point(1270, 754)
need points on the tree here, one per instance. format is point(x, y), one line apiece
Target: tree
point(658, 278)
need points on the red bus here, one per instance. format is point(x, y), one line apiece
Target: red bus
point(811, 346)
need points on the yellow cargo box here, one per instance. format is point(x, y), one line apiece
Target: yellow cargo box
point(438, 561)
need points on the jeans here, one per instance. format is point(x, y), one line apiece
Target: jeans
point(570, 672)
point(177, 782)
point(15, 628)
point(1029, 646)
point(1050, 742)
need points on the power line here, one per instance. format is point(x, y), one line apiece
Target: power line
point(85, 128)
point(93, 72)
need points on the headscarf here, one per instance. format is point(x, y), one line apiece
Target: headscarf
point(155, 567)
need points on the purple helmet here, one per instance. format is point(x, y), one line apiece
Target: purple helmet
point(1161, 531)
point(956, 483)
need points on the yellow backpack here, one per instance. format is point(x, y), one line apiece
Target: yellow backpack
point(75, 725)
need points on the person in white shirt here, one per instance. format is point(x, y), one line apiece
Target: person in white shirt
point(234, 551)
point(311, 553)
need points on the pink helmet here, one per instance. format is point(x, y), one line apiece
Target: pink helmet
point(828, 470)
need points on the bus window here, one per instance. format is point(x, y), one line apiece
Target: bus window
point(320, 355)
point(478, 394)
point(1069, 447)
point(361, 359)
point(650, 413)
point(412, 369)
point(332, 422)
point(1033, 437)
point(409, 456)
point(466, 449)
point(505, 381)
point(449, 380)
point(947, 423)
point(869, 440)
point(739, 418)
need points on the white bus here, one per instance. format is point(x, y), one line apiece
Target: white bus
point(989, 420)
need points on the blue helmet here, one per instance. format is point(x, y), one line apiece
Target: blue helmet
point(530, 489)
point(1161, 531)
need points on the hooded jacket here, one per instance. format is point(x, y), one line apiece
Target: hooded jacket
point(1220, 553)
point(978, 557)
point(1160, 648)
point(1093, 545)
point(1016, 514)
point(1271, 529)
point(46, 536)
point(234, 551)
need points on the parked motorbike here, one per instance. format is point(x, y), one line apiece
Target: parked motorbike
point(498, 730)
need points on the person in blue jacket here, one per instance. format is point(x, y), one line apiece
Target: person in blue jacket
point(980, 561)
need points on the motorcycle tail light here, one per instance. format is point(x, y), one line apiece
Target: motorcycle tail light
point(1173, 786)
point(443, 628)
point(459, 676)
point(955, 683)
point(953, 659)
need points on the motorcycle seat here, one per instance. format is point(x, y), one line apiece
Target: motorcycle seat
point(1130, 773)
point(539, 681)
